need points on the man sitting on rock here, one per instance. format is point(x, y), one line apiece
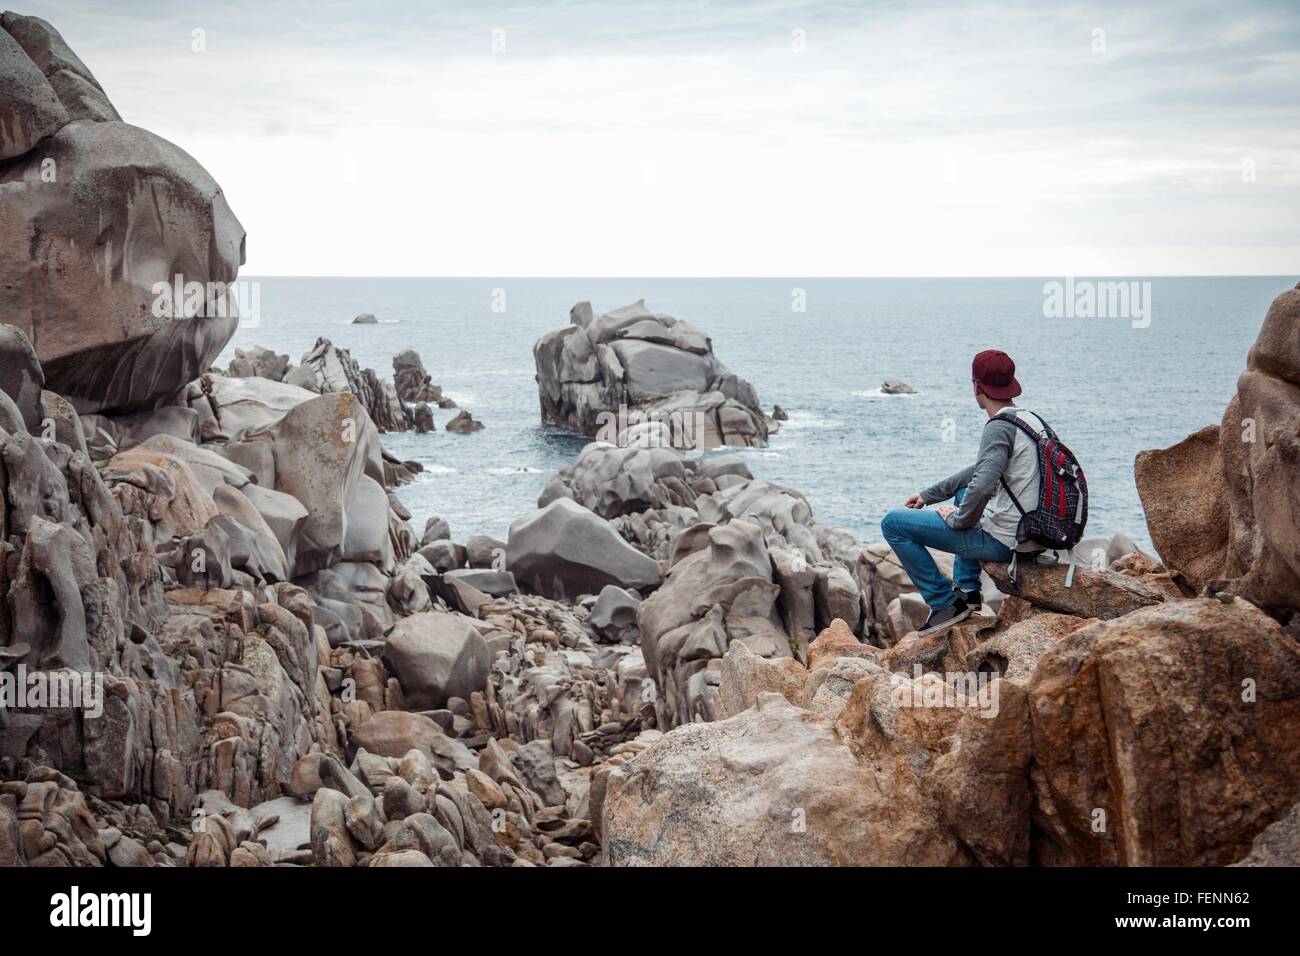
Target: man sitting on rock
point(981, 523)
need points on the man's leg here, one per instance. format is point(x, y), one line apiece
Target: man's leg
point(978, 545)
point(909, 532)
point(965, 573)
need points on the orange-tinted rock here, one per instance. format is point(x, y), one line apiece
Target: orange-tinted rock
point(837, 640)
point(1094, 592)
point(1167, 737)
point(1186, 504)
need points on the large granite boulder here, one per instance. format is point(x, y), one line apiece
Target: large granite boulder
point(1093, 592)
point(258, 362)
point(21, 375)
point(435, 656)
point(97, 221)
point(29, 108)
point(722, 591)
point(319, 453)
point(1186, 504)
point(564, 550)
point(227, 407)
point(160, 488)
point(603, 374)
point(1223, 506)
point(1165, 737)
point(1260, 443)
point(772, 786)
point(71, 81)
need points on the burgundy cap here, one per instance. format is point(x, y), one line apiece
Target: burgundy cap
point(996, 374)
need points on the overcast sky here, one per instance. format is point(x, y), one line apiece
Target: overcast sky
point(619, 137)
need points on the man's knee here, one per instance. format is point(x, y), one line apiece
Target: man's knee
point(892, 525)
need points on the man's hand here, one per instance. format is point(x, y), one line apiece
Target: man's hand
point(914, 502)
point(945, 510)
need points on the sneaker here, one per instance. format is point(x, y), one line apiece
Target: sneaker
point(945, 617)
point(972, 599)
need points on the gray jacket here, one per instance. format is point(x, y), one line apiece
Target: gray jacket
point(1005, 452)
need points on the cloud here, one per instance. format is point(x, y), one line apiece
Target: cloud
point(771, 138)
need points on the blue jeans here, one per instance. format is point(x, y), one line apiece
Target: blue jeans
point(909, 532)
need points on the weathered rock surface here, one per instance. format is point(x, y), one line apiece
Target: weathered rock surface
point(1092, 593)
point(721, 592)
point(413, 383)
point(29, 108)
point(436, 656)
point(21, 377)
point(773, 785)
point(463, 423)
point(72, 82)
point(564, 550)
point(335, 370)
point(651, 367)
point(1223, 505)
point(258, 362)
point(1186, 503)
point(1278, 844)
point(1178, 722)
point(98, 220)
point(896, 386)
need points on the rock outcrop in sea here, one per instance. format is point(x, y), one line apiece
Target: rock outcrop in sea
point(223, 644)
point(603, 374)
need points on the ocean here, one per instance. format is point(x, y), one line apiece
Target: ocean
point(1110, 386)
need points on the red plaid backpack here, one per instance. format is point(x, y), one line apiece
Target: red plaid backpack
point(1058, 521)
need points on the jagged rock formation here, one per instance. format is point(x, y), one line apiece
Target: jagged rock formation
point(336, 370)
point(413, 383)
point(746, 561)
point(1223, 505)
point(326, 368)
point(605, 373)
point(463, 423)
point(349, 718)
point(258, 362)
point(97, 218)
point(1061, 757)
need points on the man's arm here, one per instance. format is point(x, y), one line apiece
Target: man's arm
point(943, 490)
point(995, 451)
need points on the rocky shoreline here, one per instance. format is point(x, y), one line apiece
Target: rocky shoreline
point(670, 661)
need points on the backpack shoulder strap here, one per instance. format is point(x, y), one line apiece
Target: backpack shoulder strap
point(1021, 424)
point(1033, 435)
